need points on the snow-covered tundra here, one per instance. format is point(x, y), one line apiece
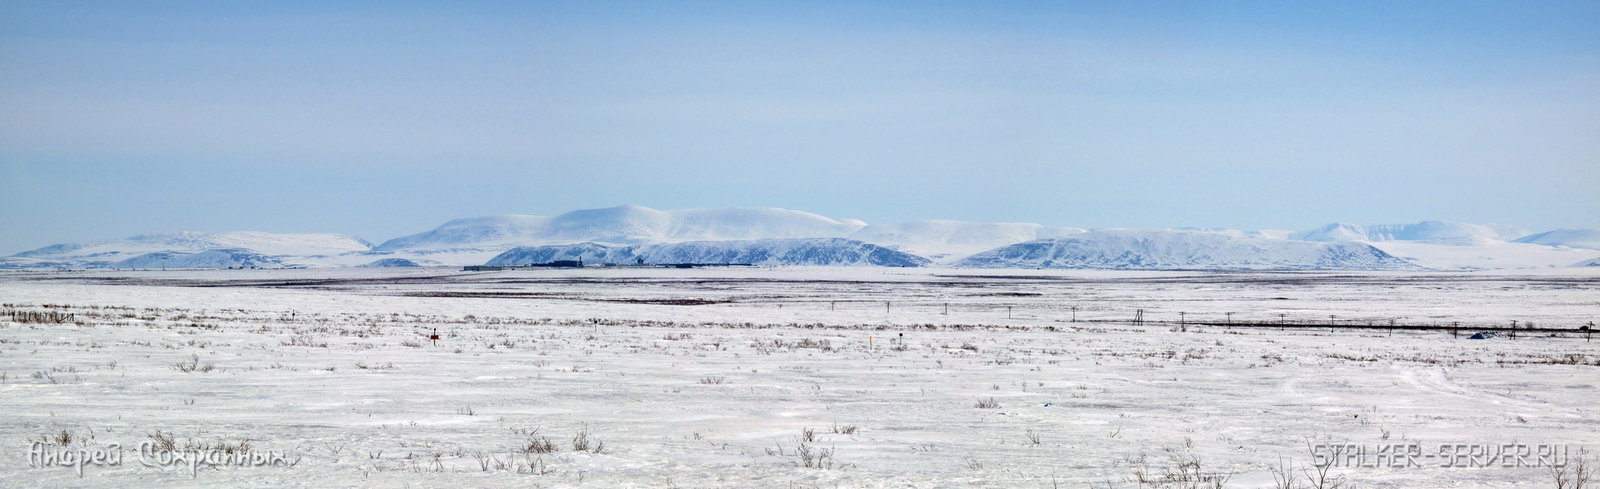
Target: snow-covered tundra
point(793, 377)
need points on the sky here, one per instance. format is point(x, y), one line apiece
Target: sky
point(381, 119)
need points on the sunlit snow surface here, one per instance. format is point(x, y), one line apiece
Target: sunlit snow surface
point(708, 377)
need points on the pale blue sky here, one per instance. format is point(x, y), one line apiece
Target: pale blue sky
point(386, 118)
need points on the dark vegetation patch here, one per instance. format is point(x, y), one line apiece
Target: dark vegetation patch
point(488, 295)
point(562, 296)
point(667, 302)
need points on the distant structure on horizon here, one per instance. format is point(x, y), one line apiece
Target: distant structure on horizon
point(578, 263)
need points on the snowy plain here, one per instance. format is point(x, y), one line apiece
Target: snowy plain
point(712, 377)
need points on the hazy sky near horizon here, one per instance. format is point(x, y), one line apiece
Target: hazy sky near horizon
point(381, 119)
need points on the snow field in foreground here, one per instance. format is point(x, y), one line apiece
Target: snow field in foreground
point(336, 369)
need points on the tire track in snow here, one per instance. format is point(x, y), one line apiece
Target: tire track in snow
point(1437, 381)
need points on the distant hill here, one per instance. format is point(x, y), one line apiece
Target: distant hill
point(391, 263)
point(626, 225)
point(220, 258)
point(940, 239)
point(1175, 250)
point(773, 252)
point(1571, 238)
point(1440, 232)
point(106, 253)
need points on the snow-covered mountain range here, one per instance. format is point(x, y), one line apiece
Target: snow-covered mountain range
point(769, 236)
